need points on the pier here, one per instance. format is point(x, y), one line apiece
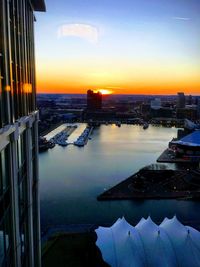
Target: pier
point(156, 184)
point(77, 132)
point(70, 134)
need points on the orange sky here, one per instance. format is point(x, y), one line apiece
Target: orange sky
point(132, 47)
point(76, 78)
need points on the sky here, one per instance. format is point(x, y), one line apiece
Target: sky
point(127, 47)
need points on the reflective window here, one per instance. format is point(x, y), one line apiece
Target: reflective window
point(4, 170)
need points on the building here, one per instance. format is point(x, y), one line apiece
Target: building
point(189, 112)
point(190, 100)
point(156, 103)
point(19, 198)
point(198, 107)
point(181, 100)
point(188, 147)
point(162, 113)
point(94, 100)
point(169, 243)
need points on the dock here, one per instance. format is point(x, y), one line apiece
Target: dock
point(168, 157)
point(77, 132)
point(156, 184)
point(70, 134)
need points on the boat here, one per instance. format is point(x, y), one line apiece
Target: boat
point(118, 124)
point(62, 143)
point(79, 143)
point(145, 126)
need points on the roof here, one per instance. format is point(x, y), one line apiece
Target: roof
point(169, 244)
point(192, 139)
point(38, 5)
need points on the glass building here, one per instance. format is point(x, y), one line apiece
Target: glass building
point(19, 198)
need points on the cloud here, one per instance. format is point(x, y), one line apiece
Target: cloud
point(113, 87)
point(181, 18)
point(85, 31)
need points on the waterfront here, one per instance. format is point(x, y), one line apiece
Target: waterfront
point(71, 178)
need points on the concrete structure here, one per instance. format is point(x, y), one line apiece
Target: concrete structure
point(94, 100)
point(19, 198)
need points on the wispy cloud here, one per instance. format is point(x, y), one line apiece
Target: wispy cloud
point(182, 18)
point(113, 87)
point(85, 31)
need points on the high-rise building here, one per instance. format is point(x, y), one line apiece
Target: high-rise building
point(190, 100)
point(181, 100)
point(198, 107)
point(19, 198)
point(94, 100)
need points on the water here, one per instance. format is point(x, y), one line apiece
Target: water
point(71, 178)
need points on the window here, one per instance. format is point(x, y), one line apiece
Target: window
point(4, 176)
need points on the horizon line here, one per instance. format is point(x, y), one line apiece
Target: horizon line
point(42, 93)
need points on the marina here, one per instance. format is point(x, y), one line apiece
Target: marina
point(70, 134)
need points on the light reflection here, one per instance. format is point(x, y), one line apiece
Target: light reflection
point(27, 88)
point(7, 88)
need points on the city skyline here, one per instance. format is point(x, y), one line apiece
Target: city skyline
point(129, 48)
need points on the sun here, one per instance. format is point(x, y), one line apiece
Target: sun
point(104, 91)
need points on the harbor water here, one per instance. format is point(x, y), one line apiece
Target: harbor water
point(72, 177)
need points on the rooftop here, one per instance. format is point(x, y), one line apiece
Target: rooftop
point(192, 139)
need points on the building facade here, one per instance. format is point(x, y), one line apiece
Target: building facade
point(19, 198)
point(181, 100)
point(94, 100)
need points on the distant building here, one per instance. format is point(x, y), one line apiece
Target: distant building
point(145, 108)
point(156, 103)
point(19, 196)
point(162, 113)
point(181, 100)
point(190, 100)
point(198, 108)
point(94, 100)
point(189, 112)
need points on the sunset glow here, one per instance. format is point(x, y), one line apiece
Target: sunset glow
point(134, 47)
point(104, 91)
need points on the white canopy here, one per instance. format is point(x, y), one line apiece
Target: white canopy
point(171, 244)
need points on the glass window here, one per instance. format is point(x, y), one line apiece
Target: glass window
point(1, 102)
point(19, 151)
point(2, 245)
point(1, 62)
point(4, 177)
point(5, 232)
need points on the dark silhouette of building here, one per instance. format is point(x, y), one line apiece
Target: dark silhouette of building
point(190, 100)
point(19, 197)
point(94, 100)
point(190, 112)
point(181, 100)
point(198, 107)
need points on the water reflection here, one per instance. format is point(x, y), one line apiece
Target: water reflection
point(71, 178)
